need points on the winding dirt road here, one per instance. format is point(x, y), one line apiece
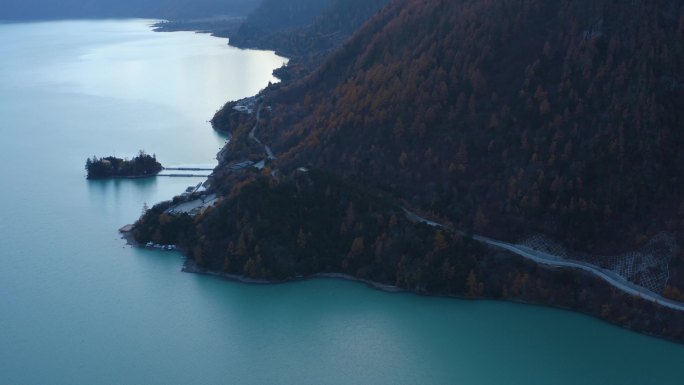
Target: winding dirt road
point(543, 258)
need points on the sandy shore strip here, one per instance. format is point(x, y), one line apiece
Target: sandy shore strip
point(191, 267)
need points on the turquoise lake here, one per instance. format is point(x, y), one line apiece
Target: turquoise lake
point(78, 306)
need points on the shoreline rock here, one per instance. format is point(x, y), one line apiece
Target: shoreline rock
point(127, 235)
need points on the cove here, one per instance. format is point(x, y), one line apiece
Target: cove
point(78, 306)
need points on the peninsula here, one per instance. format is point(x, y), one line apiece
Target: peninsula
point(413, 157)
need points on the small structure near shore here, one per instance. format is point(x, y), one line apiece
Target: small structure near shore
point(194, 207)
point(153, 245)
point(246, 105)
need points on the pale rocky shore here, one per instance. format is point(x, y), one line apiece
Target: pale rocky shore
point(191, 267)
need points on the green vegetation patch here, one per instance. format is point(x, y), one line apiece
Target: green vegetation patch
point(112, 167)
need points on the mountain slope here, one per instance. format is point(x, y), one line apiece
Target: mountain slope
point(510, 119)
point(506, 117)
point(320, 28)
point(306, 31)
point(273, 17)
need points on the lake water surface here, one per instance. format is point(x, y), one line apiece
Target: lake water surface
point(77, 306)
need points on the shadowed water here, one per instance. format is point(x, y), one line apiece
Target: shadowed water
point(79, 307)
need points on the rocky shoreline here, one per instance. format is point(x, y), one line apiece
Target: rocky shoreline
point(642, 322)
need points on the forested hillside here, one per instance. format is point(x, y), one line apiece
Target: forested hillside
point(320, 28)
point(309, 222)
point(502, 118)
point(306, 31)
point(272, 17)
point(506, 117)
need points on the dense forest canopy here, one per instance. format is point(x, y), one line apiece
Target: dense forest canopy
point(562, 117)
point(310, 222)
point(504, 118)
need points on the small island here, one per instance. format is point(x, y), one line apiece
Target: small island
point(143, 165)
